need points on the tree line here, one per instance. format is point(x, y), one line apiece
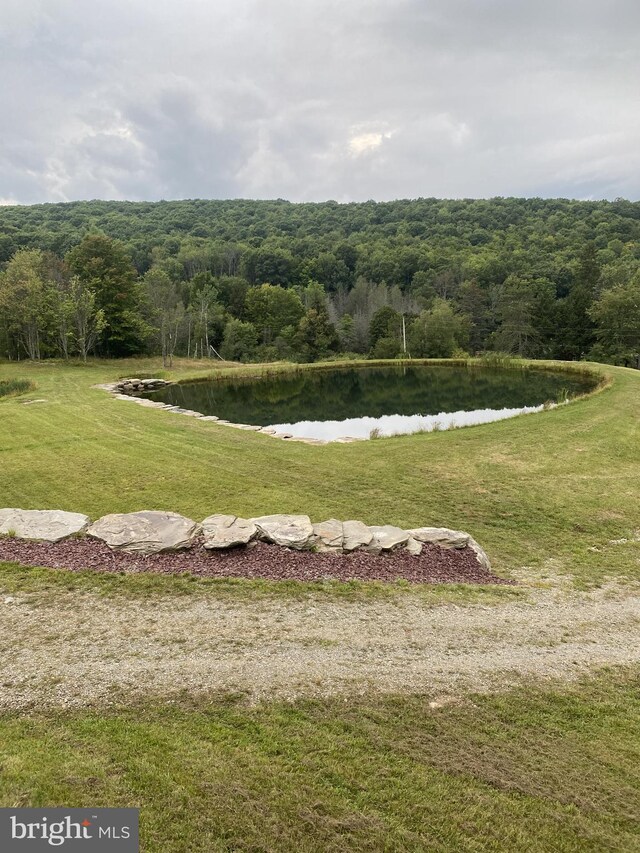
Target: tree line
point(262, 281)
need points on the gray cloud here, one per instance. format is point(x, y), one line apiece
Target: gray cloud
point(318, 99)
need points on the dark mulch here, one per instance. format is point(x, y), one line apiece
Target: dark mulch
point(434, 565)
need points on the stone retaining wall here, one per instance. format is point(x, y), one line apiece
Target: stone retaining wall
point(151, 532)
point(124, 386)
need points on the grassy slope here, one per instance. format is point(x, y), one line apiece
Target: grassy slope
point(533, 770)
point(547, 491)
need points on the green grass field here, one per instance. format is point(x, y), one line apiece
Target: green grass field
point(545, 768)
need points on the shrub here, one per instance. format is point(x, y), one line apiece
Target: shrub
point(496, 359)
point(9, 387)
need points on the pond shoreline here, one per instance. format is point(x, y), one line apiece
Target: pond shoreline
point(364, 400)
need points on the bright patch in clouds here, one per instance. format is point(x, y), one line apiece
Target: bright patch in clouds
point(365, 142)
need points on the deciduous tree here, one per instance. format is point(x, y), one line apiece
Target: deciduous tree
point(616, 314)
point(438, 332)
point(106, 269)
point(87, 319)
point(239, 342)
point(26, 301)
point(166, 311)
point(271, 308)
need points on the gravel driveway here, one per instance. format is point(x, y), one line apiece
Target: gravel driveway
point(82, 649)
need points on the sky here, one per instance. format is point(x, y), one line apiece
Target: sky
point(311, 100)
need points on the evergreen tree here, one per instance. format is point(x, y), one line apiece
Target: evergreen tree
point(515, 310)
point(580, 327)
point(346, 333)
point(315, 337)
point(474, 303)
point(385, 323)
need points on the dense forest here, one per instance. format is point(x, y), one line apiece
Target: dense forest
point(267, 280)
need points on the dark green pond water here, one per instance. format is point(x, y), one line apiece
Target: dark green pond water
point(330, 404)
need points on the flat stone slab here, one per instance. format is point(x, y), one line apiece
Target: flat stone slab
point(356, 535)
point(442, 536)
point(413, 547)
point(329, 535)
point(153, 383)
point(447, 538)
point(480, 553)
point(149, 404)
point(290, 531)
point(47, 525)
point(147, 532)
point(227, 531)
point(387, 537)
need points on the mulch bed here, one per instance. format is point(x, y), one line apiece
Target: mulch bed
point(434, 565)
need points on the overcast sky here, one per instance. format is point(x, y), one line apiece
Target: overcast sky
point(318, 99)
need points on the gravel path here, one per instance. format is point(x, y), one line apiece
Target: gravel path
point(77, 649)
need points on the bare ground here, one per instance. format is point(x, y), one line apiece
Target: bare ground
point(81, 649)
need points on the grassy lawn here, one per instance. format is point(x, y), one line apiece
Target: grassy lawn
point(547, 493)
point(41, 583)
point(536, 769)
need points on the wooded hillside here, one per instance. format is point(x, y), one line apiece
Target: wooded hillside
point(259, 280)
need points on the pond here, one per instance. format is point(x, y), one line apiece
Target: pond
point(357, 402)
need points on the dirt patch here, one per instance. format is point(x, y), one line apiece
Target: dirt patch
point(75, 649)
point(434, 565)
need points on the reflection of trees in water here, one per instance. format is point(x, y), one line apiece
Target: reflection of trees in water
point(276, 390)
point(371, 392)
